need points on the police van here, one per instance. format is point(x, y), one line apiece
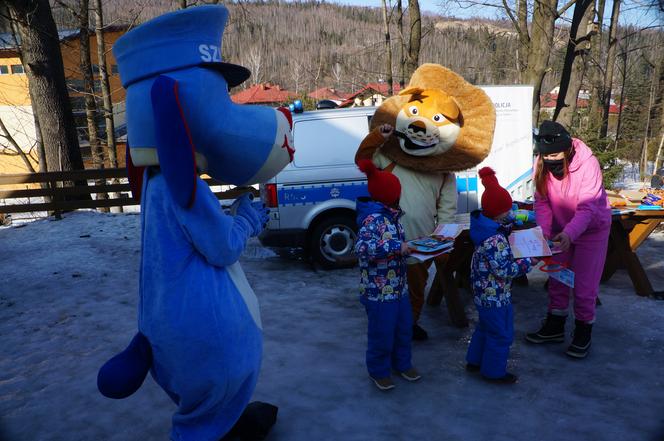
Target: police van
point(312, 201)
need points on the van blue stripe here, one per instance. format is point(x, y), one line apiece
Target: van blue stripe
point(314, 194)
point(526, 175)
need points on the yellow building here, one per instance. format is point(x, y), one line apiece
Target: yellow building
point(15, 104)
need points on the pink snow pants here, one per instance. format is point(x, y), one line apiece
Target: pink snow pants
point(586, 258)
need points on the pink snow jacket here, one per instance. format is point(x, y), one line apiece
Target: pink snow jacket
point(576, 204)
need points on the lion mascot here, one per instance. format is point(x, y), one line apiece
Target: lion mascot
point(199, 327)
point(439, 124)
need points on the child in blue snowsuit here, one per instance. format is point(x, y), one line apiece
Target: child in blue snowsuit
point(492, 269)
point(381, 251)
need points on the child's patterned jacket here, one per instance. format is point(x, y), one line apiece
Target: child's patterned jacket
point(493, 266)
point(378, 248)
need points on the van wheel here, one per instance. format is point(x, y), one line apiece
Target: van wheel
point(332, 242)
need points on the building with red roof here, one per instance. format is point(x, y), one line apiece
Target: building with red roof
point(328, 93)
point(373, 94)
point(264, 93)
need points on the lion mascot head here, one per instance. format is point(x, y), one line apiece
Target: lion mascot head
point(441, 123)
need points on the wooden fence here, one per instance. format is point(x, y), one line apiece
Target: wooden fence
point(54, 197)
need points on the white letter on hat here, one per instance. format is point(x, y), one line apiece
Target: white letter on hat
point(205, 54)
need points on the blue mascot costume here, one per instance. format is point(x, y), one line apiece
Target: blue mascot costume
point(199, 329)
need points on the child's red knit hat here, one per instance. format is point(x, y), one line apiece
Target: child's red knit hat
point(383, 186)
point(495, 199)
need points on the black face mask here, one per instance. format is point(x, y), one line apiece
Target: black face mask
point(556, 167)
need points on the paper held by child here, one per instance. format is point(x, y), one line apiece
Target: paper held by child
point(428, 247)
point(449, 231)
point(529, 243)
point(422, 257)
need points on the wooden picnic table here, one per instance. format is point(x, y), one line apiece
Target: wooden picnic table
point(628, 232)
point(455, 274)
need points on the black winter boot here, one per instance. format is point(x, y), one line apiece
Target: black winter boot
point(419, 334)
point(254, 423)
point(581, 340)
point(552, 331)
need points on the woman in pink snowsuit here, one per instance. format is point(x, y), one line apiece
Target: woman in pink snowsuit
point(572, 208)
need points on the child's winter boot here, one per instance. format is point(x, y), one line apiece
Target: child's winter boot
point(553, 330)
point(581, 340)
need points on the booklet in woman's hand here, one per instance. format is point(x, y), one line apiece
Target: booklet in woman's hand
point(529, 243)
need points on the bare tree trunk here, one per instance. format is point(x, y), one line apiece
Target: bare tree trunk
point(111, 148)
point(574, 64)
point(41, 151)
point(657, 122)
point(622, 100)
point(659, 109)
point(610, 62)
point(46, 82)
point(415, 37)
point(644, 154)
point(105, 86)
point(539, 47)
point(388, 49)
point(659, 151)
point(402, 51)
point(88, 91)
point(524, 37)
point(88, 88)
point(4, 133)
point(596, 76)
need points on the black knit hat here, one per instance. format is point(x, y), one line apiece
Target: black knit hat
point(552, 138)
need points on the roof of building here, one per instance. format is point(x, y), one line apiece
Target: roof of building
point(328, 93)
point(380, 88)
point(263, 93)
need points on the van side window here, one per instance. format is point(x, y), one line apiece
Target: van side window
point(328, 141)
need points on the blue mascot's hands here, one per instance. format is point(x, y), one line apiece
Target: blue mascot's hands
point(243, 208)
point(263, 213)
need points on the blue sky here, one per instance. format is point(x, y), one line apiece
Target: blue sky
point(631, 11)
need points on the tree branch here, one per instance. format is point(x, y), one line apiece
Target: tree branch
point(564, 9)
point(71, 10)
point(515, 23)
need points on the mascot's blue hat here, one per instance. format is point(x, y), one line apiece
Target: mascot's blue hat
point(185, 38)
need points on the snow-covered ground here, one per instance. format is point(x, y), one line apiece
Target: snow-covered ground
point(68, 294)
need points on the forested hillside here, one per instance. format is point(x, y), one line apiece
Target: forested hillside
point(305, 45)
